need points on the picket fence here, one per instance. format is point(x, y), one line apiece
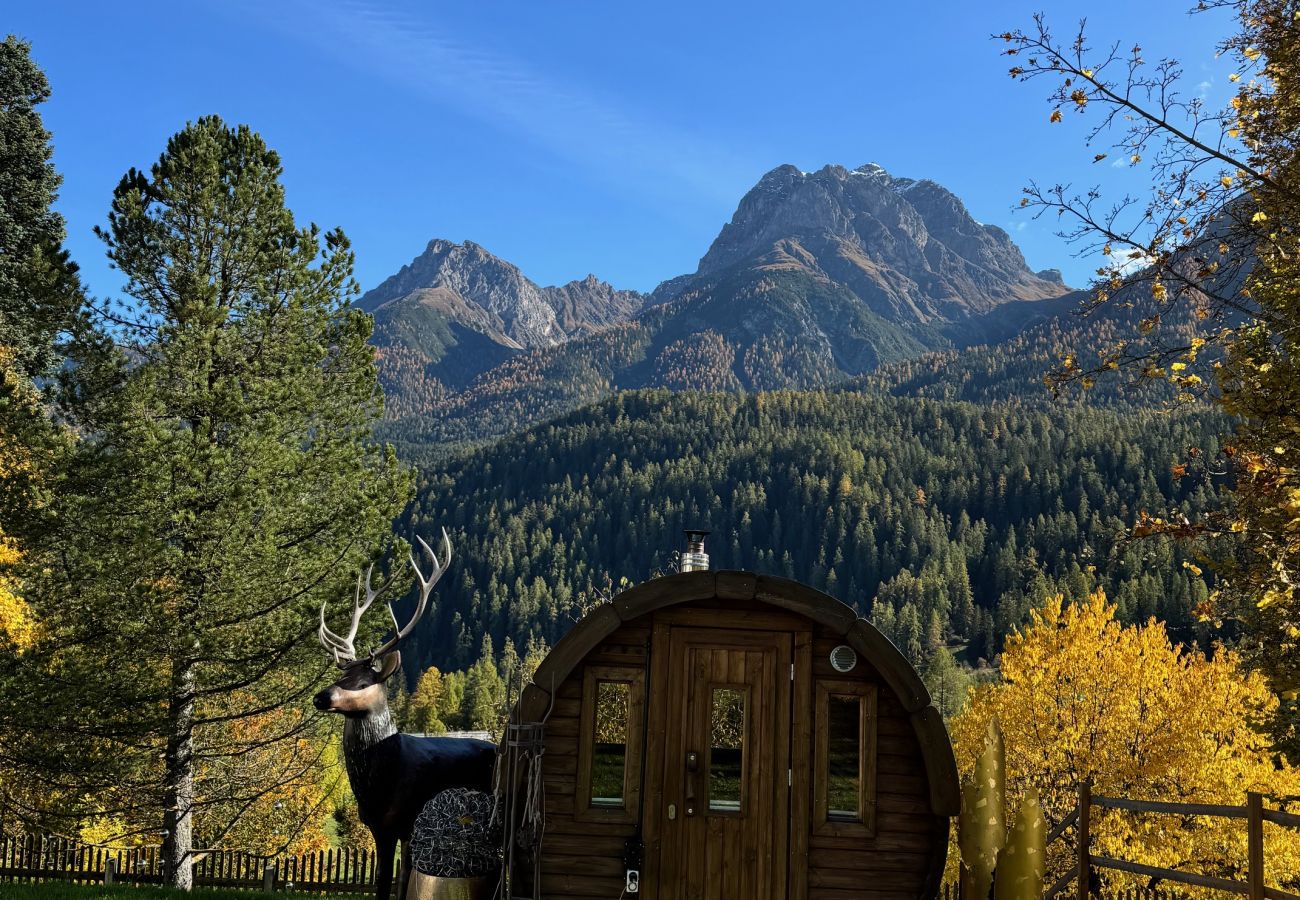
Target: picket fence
point(38, 858)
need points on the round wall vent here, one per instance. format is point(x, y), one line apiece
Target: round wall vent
point(843, 659)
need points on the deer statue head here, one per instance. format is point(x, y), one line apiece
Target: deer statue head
point(360, 692)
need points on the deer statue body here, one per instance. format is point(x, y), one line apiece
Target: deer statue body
point(393, 774)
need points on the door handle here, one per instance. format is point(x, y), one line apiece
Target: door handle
point(692, 769)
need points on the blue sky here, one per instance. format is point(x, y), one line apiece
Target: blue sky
point(571, 136)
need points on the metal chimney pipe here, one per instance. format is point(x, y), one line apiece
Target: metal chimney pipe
point(694, 559)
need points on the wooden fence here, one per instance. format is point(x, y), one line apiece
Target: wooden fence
point(1255, 813)
point(45, 858)
point(952, 891)
point(34, 858)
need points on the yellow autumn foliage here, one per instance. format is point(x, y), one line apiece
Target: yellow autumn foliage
point(282, 783)
point(422, 713)
point(17, 626)
point(17, 470)
point(268, 784)
point(1084, 698)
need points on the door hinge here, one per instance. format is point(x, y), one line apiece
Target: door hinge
point(792, 671)
point(789, 777)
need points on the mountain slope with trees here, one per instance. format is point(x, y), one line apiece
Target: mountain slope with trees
point(818, 278)
point(456, 311)
point(946, 522)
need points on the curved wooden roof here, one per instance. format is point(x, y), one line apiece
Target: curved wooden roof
point(861, 635)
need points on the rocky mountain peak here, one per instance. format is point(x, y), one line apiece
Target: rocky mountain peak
point(473, 288)
point(476, 289)
point(908, 247)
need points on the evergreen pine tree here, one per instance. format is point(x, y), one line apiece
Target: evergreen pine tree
point(947, 682)
point(225, 489)
point(484, 692)
point(40, 294)
point(40, 299)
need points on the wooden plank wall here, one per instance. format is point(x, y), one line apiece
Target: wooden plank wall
point(582, 859)
point(585, 859)
point(898, 860)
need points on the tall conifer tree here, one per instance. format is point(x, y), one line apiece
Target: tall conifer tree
point(40, 296)
point(222, 492)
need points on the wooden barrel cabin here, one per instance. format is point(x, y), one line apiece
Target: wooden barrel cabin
point(721, 735)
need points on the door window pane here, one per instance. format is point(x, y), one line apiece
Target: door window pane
point(843, 757)
point(609, 752)
point(727, 749)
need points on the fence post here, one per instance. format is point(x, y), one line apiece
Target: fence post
point(268, 877)
point(1085, 837)
point(110, 870)
point(1255, 844)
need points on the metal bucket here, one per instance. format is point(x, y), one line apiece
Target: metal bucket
point(434, 887)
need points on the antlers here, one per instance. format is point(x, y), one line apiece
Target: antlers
point(341, 645)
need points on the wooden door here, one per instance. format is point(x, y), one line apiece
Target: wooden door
point(723, 817)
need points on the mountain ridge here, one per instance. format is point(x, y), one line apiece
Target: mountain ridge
point(817, 278)
point(457, 310)
point(908, 247)
point(494, 295)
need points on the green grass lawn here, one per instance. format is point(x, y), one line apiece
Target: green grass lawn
point(54, 890)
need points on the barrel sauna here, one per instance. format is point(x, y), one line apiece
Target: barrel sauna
point(722, 735)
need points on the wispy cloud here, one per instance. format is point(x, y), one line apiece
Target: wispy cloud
point(1133, 264)
point(576, 123)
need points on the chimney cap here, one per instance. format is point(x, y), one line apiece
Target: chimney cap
point(694, 559)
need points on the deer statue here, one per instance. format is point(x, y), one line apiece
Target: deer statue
point(393, 774)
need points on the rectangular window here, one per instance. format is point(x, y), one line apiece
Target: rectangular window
point(609, 755)
point(609, 749)
point(727, 721)
point(844, 758)
point(844, 800)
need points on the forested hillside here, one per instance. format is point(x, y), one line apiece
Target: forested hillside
point(681, 345)
point(958, 517)
point(1007, 353)
point(1014, 367)
point(1013, 348)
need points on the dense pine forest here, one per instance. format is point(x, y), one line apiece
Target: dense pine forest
point(946, 522)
